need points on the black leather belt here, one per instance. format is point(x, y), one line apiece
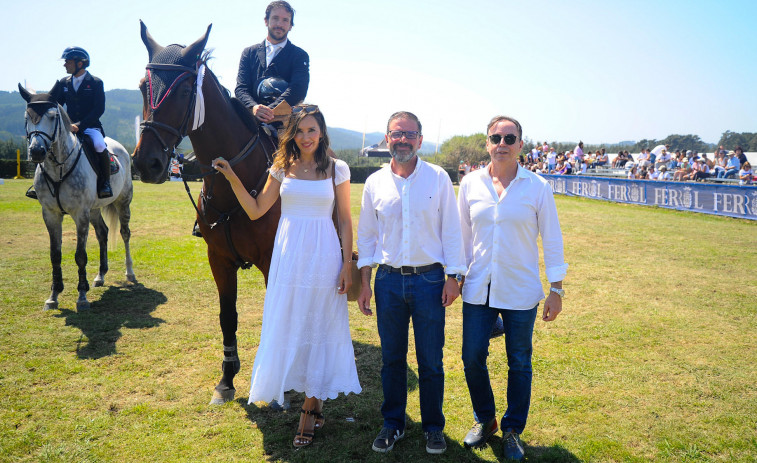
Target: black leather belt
point(408, 270)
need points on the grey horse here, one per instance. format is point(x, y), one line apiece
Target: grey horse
point(66, 183)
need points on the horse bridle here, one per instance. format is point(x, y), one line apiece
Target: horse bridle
point(47, 139)
point(48, 151)
point(153, 126)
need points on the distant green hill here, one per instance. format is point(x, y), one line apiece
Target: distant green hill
point(122, 106)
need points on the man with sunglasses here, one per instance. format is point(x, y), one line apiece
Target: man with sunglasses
point(410, 229)
point(503, 210)
point(275, 57)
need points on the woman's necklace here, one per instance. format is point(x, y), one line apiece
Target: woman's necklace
point(308, 168)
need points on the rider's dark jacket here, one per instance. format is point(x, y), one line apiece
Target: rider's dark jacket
point(84, 107)
point(292, 64)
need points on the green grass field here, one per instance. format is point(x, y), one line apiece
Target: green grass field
point(654, 357)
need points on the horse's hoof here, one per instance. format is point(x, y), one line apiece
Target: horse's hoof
point(131, 278)
point(221, 397)
point(51, 305)
point(82, 305)
point(99, 281)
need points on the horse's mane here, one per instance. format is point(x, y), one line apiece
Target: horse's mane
point(242, 111)
point(65, 118)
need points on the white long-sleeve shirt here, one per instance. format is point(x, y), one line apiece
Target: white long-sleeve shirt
point(412, 221)
point(500, 235)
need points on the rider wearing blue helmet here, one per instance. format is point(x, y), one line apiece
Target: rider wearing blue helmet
point(84, 97)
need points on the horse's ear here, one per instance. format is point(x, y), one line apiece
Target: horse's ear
point(55, 91)
point(25, 94)
point(194, 51)
point(152, 46)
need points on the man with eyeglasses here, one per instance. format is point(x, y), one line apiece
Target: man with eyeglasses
point(503, 210)
point(273, 66)
point(410, 229)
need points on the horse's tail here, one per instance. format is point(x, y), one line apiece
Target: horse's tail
point(110, 215)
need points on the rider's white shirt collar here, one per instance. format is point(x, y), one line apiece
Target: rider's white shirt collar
point(76, 81)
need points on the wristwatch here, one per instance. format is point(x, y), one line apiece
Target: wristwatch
point(456, 276)
point(559, 291)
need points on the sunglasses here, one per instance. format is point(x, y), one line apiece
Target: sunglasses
point(309, 109)
point(496, 138)
point(409, 134)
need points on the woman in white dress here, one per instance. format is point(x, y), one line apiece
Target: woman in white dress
point(305, 342)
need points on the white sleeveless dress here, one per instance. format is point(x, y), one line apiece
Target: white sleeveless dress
point(305, 342)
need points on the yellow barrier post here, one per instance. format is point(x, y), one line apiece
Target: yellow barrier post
point(18, 166)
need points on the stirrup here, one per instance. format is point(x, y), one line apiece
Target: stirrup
point(31, 193)
point(196, 230)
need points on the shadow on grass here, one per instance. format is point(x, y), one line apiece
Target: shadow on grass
point(553, 454)
point(127, 306)
point(352, 423)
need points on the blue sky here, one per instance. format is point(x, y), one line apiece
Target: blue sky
point(599, 71)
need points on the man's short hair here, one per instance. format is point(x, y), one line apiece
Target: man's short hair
point(497, 119)
point(279, 4)
point(404, 115)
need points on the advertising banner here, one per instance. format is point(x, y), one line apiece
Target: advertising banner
point(708, 198)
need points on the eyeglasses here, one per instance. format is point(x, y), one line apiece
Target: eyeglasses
point(409, 134)
point(309, 109)
point(496, 138)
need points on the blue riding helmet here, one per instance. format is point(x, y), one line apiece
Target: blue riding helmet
point(271, 88)
point(76, 54)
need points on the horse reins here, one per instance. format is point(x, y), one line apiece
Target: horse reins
point(153, 126)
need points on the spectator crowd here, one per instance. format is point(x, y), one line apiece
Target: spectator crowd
point(659, 164)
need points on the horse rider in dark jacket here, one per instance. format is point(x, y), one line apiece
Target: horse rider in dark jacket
point(275, 57)
point(84, 97)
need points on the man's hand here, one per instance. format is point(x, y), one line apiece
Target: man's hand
point(364, 300)
point(263, 113)
point(450, 292)
point(552, 307)
point(74, 128)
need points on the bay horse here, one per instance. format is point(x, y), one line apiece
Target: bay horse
point(182, 97)
point(66, 183)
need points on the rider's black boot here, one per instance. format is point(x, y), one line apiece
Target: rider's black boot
point(103, 185)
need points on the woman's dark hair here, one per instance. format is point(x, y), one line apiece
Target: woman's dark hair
point(288, 150)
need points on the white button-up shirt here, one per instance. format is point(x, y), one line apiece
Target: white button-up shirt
point(412, 221)
point(273, 49)
point(500, 239)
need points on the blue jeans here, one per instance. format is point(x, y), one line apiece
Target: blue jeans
point(519, 328)
point(730, 173)
point(398, 299)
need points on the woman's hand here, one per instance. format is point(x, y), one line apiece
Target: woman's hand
point(345, 278)
point(222, 165)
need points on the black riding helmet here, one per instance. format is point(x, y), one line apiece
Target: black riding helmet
point(271, 88)
point(76, 54)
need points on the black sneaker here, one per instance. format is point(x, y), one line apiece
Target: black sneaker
point(512, 446)
point(498, 329)
point(480, 433)
point(386, 438)
point(435, 442)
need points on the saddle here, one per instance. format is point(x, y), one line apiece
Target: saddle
point(92, 155)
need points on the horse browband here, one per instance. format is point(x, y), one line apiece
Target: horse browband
point(171, 67)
